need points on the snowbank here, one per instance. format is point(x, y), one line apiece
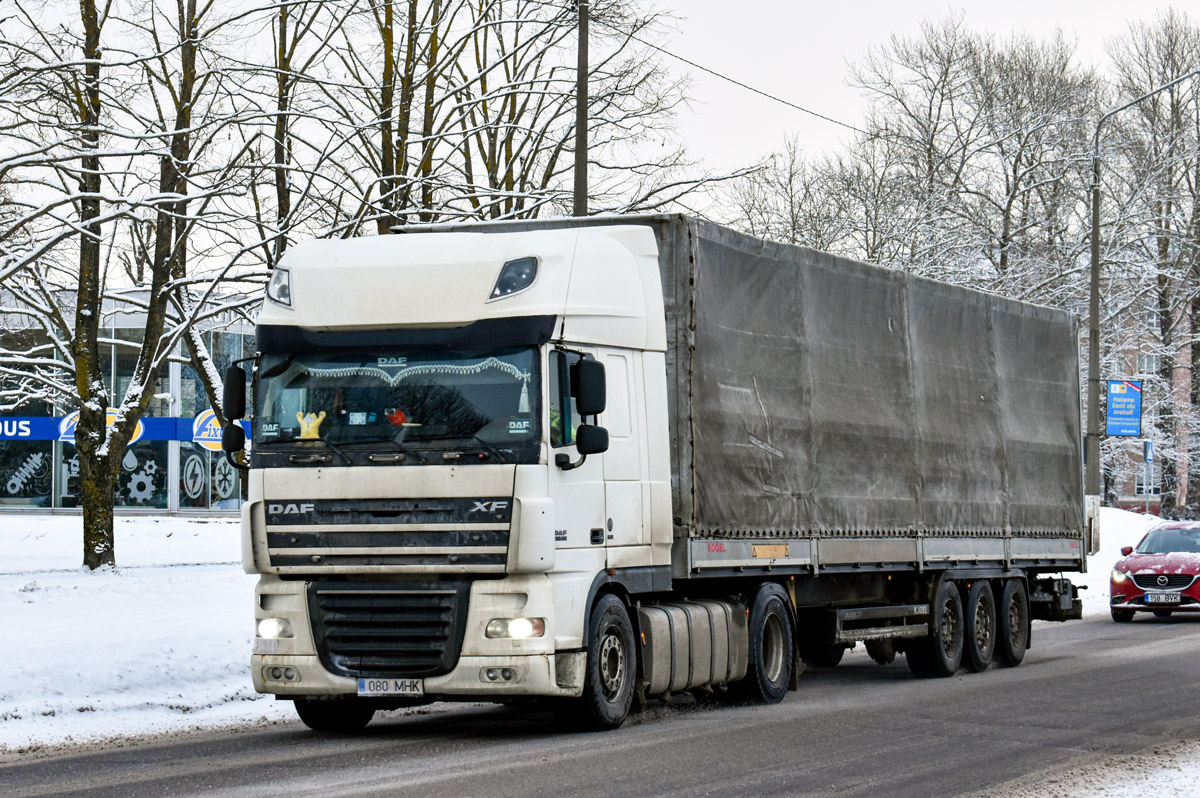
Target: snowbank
point(161, 643)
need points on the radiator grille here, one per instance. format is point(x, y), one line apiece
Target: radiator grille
point(1151, 581)
point(389, 629)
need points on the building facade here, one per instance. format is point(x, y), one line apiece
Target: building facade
point(174, 462)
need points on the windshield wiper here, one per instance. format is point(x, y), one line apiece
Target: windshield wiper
point(301, 458)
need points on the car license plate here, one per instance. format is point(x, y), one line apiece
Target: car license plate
point(1162, 598)
point(386, 687)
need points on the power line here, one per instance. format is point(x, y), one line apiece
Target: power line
point(734, 81)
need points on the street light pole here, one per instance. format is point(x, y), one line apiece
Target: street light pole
point(1092, 465)
point(581, 104)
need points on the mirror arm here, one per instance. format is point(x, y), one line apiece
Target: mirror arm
point(233, 462)
point(563, 461)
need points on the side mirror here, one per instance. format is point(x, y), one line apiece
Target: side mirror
point(1126, 551)
point(233, 439)
point(590, 439)
point(233, 398)
point(589, 388)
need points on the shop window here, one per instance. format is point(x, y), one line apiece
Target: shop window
point(142, 477)
point(26, 473)
point(125, 360)
point(194, 476)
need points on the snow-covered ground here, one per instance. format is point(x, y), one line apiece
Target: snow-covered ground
point(161, 644)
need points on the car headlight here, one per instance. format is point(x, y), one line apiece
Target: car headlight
point(279, 288)
point(275, 628)
point(516, 628)
point(1119, 576)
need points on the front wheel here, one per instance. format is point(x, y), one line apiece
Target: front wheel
point(343, 716)
point(611, 669)
point(772, 637)
point(1122, 616)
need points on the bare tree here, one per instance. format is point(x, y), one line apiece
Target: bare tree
point(1159, 229)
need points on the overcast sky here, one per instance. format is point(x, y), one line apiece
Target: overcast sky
point(800, 51)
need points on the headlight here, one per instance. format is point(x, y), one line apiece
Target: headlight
point(275, 627)
point(1119, 576)
point(279, 288)
point(517, 628)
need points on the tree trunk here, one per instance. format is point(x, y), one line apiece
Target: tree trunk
point(95, 465)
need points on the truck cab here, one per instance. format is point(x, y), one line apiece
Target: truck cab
point(429, 510)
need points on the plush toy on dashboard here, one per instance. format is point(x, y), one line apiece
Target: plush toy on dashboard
point(310, 425)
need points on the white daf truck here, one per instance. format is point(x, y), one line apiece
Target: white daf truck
point(588, 461)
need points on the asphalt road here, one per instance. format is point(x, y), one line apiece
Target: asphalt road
point(1087, 690)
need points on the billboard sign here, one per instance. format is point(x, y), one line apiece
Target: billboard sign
point(1124, 416)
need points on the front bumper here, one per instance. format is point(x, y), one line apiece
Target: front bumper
point(534, 675)
point(291, 667)
point(1126, 595)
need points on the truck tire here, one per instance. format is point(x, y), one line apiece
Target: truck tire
point(334, 716)
point(940, 654)
point(611, 669)
point(979, 628)
point(772, 641)
point(1012, 624)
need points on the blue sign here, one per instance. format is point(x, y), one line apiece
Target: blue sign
point(28, 428)
point(1124, 417)
point(1148, 451)
point(149, 428)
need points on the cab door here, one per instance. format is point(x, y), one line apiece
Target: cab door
point(578, 493)
point(623, 466)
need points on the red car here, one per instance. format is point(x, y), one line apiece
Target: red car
point(1160, 575)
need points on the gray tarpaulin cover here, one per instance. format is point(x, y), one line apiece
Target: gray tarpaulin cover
point(817, 394)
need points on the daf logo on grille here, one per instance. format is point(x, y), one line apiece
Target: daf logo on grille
point(289, 509)
point(489, 507)
point(1162, 580)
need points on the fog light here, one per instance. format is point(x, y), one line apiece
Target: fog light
point(517, 628)
point(507, 674)
point(276, 673)
point(274, 628)
point(289, 673)
point(492, 674)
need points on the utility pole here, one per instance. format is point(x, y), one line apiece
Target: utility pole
point(581, 106)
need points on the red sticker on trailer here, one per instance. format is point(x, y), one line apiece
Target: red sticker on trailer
point(716, 548)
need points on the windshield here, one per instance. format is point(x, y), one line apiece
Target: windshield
point(480, 403)
point(1167, 541)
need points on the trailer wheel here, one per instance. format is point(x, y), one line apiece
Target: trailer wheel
point(772, 649)
point(980, 627)
point(1122, 616)
point(1012, 626)
point(611, 668)
point(940, 654)
point(334, 716)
